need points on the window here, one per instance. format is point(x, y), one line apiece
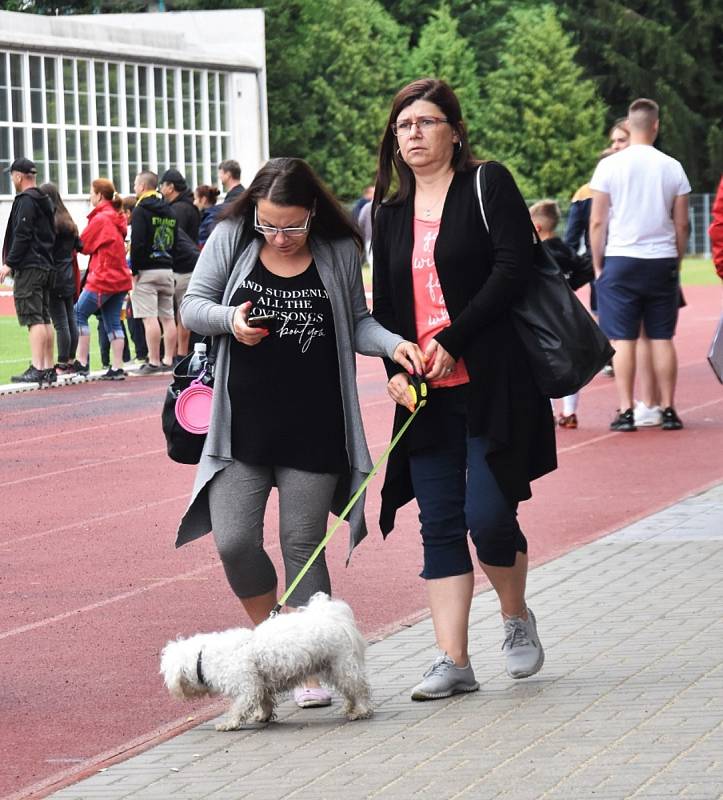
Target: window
point(36, 89)
point(16, 88)
point(101, 93)
point(83, 118)
point(5, 151)
point(51, 100)
point(70, 90)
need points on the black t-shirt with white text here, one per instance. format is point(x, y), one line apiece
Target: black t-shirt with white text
point(285, 392)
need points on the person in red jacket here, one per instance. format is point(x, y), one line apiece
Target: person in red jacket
point(716, 231)
point(108, 278)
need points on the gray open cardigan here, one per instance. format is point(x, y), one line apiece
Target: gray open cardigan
point(207, 309)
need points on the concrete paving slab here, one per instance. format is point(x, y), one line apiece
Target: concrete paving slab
point(628, 704)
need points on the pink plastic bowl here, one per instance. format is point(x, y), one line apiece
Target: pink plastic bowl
point(193, 408)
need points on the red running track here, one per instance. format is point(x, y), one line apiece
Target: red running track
point(92, 586)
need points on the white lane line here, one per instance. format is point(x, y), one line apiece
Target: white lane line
point(86, 466)
point(107, 601)
point(93, 520)
point(117, 598)
point(80, 430)
point(100, 399)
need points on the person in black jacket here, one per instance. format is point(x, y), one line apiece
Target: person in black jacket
point(179, 197)
point(28, 254)
point(442, 280)
point(577, 269)
point(174, 189)
point(64, 292)
point(153, 242)
point(229, 173)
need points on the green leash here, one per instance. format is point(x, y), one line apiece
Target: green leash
point(418, 387)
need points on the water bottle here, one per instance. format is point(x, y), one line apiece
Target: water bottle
point(198, 360)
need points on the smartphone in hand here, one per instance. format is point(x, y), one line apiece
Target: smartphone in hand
point(267, 321)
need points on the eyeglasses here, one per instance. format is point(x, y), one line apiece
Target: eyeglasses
point(424, 124)
point(270, 230)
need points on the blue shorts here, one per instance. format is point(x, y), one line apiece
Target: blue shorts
point(635, 290)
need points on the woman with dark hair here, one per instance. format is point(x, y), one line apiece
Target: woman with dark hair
point(108, 277)
point(204, 198)
point(65, 289)
point(279, 284)
point(442, 280)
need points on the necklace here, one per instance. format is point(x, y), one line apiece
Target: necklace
point(428, 211)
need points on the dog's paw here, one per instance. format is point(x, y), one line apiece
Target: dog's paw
point(359, 712)
point(230, 725)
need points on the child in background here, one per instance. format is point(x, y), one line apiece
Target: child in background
point(577, 270)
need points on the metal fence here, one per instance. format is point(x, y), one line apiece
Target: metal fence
point(700, 208)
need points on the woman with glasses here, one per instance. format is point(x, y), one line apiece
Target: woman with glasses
point(442, 280)
point(279, 282)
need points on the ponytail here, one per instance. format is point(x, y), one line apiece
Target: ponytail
point(106, 190)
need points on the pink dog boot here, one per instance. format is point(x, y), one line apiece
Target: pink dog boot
point(311, 697)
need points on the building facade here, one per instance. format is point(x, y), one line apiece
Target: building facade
point(110, 95)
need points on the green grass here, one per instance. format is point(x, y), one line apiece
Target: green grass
point(698, 272)
point(15, 348)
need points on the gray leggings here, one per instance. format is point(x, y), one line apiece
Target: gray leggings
point(237, 499)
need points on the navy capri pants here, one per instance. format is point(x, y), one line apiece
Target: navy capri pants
point(457, 494)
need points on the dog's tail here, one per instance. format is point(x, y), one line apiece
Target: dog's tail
point(344, 616)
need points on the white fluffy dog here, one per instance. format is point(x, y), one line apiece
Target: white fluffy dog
point(255, 666)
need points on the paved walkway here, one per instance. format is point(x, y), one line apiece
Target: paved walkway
point(628, 705)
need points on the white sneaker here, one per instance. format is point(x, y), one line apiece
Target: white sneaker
point(443, 679)
point(646, 417)
point(523, 651)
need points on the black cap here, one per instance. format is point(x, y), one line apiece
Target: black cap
point(24, 165)
point(174, 176)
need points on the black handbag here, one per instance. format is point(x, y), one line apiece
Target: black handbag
point(564, 345)
point(182, 446)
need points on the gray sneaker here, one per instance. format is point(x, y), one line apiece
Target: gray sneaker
point(444, 679)
point(522, 647)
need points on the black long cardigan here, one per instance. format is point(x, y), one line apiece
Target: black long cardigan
point(481, 275)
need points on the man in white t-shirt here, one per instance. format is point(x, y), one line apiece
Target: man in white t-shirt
point(638, 236)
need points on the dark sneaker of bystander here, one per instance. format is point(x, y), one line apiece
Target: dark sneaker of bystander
point(113, 375)
point(671, 421)
point(624, 421)
point(31, 375)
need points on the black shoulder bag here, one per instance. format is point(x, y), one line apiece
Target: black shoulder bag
point(183, 446)
point(564, 344)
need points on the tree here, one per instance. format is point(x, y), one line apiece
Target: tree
point(443, 53)
point(483, 23)
point(671, 52)
point(333, 69)
point(543, 118)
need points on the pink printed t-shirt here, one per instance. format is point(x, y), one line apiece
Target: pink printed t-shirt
point(430, 309)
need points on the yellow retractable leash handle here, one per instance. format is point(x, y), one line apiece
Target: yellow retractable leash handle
point(419, 391)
